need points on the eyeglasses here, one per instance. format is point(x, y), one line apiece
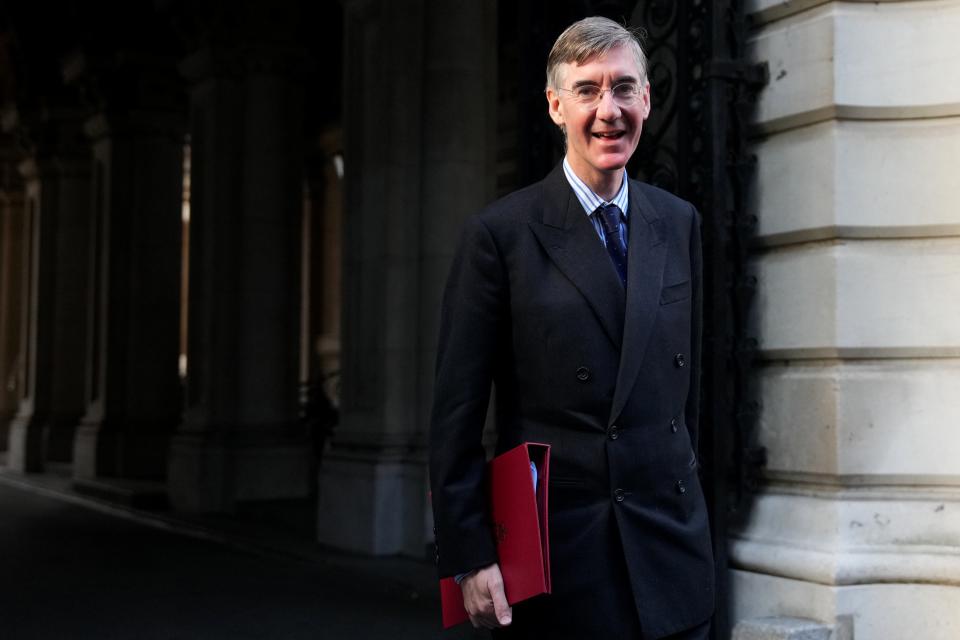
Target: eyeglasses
point(588, 96)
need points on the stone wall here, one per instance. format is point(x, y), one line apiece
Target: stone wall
point(858, 262)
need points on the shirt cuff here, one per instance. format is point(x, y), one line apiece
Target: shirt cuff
point(460, 576)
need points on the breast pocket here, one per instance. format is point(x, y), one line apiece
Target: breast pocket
point(675, 292)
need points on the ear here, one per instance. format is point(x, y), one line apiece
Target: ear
point(646, 100)
point(554, 106)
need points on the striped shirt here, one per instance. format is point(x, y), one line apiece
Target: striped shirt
point(591, 201)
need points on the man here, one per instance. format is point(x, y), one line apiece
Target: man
point(579, 298)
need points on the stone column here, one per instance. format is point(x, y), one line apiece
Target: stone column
point(11, 291)
point(241, 440)
point(323, 261)
point(133, 394)
point(418, 119)
point(56, 175)
point(858, 523)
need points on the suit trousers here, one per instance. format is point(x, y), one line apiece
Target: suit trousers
point(568, 616)
point(700, 632)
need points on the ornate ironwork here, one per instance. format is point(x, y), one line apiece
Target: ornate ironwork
point(656, 160)
point(695, 145)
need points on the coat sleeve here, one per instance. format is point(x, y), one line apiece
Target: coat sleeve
point(692, 409)
point(473, 315)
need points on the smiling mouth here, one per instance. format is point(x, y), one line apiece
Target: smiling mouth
point(608, 135)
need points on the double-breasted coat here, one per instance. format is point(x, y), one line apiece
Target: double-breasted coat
point(609, 378)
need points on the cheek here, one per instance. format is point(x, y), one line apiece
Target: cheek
point(584, 125)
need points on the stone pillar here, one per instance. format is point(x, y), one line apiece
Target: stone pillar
point(858, 523)
point(11, 291)
point(321, 285)
point(418, 121)
point(133, 393)
point(56, 175)
point(241, 439)
point(323, 262)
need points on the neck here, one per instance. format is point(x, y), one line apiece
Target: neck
point(605, 184)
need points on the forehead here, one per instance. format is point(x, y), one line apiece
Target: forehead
point(619, 62)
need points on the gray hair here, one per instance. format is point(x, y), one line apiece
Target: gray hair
point(587, 39)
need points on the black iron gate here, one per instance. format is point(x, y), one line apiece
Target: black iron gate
point(695, 145)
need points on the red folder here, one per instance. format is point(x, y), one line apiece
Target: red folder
point(519, 514)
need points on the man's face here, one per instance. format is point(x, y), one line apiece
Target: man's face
point(600, 140)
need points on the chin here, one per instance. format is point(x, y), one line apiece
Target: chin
point(612, 163)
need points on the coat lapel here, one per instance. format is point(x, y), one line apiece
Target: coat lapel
point(572, 244)
point(646, 256)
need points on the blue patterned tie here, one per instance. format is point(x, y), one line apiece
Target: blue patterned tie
point(610, 221)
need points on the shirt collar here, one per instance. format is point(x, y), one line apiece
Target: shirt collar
point(589, 200)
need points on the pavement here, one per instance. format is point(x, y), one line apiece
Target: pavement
point(78, 567)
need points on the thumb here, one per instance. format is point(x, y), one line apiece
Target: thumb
point(502, 610)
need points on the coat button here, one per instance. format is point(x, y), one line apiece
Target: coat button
point(583, 374)
point(681, 488)
point(619, 495)
point(674, 425)
point(680, 360)
point(613, 432)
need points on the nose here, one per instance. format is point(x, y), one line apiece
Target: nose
point(608, 109)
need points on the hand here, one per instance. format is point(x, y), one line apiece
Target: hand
point(484, 599)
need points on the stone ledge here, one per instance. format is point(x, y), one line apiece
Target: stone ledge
point(761, 12)
point(887, 60)
point(858, 298)
point(847, 566)
point(849, 536)
point(868, 176)
point(856, 418)
point(888, 611)
point(782, 629)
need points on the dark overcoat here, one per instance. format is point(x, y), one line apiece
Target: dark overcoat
point(607, 377)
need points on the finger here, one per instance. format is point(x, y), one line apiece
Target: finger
point(480, 621)
point(480, 611)
point(487, 617)
point(501, 608)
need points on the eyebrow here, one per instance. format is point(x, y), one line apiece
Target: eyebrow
point(616, 81)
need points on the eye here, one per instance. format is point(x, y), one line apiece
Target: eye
point(626, 91)
point(586, 92)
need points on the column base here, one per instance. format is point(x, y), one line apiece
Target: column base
point(58, 435)
point(783, 629)
point(207, 476)
point(134, 451)
point(372, 507)
point(33, 440)
point(886, 557)
point(25, 445)
point(863, 611)
point(6, 417)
